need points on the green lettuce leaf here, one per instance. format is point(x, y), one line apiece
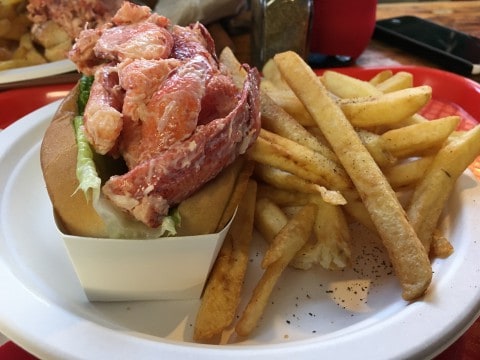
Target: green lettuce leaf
point(118, 224)
point(85, 84)
point(87, 175)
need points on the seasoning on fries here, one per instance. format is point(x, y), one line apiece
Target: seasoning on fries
point(410, 261)
point(335, 149)
point(222, 292)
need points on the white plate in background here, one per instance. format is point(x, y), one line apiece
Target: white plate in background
point(36, 71)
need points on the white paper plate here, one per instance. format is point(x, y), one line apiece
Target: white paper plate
point(354, 314)
point(36, 71)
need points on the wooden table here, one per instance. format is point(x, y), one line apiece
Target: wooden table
point(460, 15)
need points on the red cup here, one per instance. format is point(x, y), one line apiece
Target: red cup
point(342, 27)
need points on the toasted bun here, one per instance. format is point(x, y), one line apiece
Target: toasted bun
point(200, 214)
point(58, 158)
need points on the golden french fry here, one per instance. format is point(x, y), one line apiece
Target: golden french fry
point(5, 25)
point(347, 87)
point(14, 63)
point(357, 211)
point(238, 192)
point(229, 61)
point(284, 154)
point(290, 239)
point(381, 76)
point(58, 52)
point(418, 138)
point(440, 247)
point(16, 27)
point(270, 72)
point(25, 45)
point(376, 147)
point(386, 109)
point(286, 99)
point(283, 197)
point(432, 192)
point(412, 120)
point(26, 52)
point(287, 181)
point(407, 173)
point(275, 87)
point(269, 218)
point(222, 292)
point(401, 80)
point(50, 34)
point(9, 3)
point(332, 246)
point(410, 261)
point(281, 96)
point(277, 120)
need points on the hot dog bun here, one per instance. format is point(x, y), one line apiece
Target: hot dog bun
point(58, 159)
point(200, 213)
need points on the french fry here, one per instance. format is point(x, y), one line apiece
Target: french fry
point(287, 181)
point(50, 34)
point(375, 145)
point(347, 87)
point(27, 51)
point(372, 133)
point(283, 97)
point(432, 192)
point(332, 246)
point(55, 40)
point(270, 72)
point(357, 211)
point(284, 154)
point(286, 99)
point(283, 197)
point(440, 247)
point(412, 120)
point(386, 109)
point(277, 89)
point(237, 194)
point(381, 76)
point(269, 218)
point(229, 61)
point(9, 3)
point(418, 138)
point(14, 63)
point(58, 52)
point(222, 292)
point(283, 248)
point(408, 173)
point(277, 120)
point(401, 80)
point(274, 117)
point(14, 28)
point(410, 261)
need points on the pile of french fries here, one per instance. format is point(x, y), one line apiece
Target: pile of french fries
point(19, 46)
point(334, 149)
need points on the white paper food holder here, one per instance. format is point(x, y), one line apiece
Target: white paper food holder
point(168, 268)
